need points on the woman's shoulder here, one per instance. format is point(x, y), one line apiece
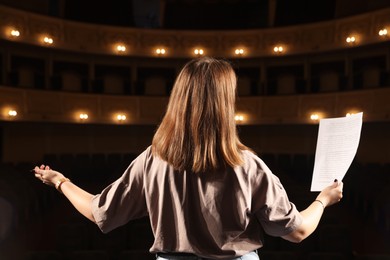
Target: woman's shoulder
point(151, 160)
point(253, 163)
point(142, 158)
point(251, 157)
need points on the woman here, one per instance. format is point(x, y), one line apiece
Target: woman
point(206, 194)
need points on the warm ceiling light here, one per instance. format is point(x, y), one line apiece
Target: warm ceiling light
point(160, 51)
point(278, 49)
point(83, 116)
point(15, 33)
point(352, 112)
point(121, 48)
point(198, 51)
point(314, 117)
point(12, 113)
point(239, 51)
point(383, 32)
point(350, 39)
point(239, 118)
point(48, 40)
point(121, 117)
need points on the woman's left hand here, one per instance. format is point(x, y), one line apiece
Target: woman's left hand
point(47, 175)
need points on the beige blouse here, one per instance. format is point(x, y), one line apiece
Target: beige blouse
point(216, 215)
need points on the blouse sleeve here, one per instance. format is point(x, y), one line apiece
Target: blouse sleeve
point(277, 215)
point(123, 200)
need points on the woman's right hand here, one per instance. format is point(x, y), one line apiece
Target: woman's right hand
point(331, 194)
point(47, 175)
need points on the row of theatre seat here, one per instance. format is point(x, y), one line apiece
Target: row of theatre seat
point(76, 238)
point(366, 195)
point(142, 255)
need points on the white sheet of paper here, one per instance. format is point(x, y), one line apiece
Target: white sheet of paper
point(337, 143)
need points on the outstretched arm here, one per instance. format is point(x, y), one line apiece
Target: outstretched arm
point(312, 214)
point(79, 198)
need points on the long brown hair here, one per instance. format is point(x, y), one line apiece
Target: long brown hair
point(198, 131)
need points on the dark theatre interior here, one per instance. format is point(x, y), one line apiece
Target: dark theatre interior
point(84, 84)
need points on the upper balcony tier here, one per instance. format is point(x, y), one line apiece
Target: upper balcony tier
point(34, 29)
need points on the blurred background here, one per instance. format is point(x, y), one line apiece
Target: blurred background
point(84, 84)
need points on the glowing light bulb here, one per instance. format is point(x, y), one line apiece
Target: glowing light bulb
point(239, 118)
point(278, 49)
point(350, 114)
point(239, 51)
point(198, 51)
point(121, 117)
point(83, 116)
point(15, 33)
point(314, 117)
point(383, 32)
point(160, 51)
point(121, 48)
point(350, 39)
point(12, 113)
point(48, 40)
